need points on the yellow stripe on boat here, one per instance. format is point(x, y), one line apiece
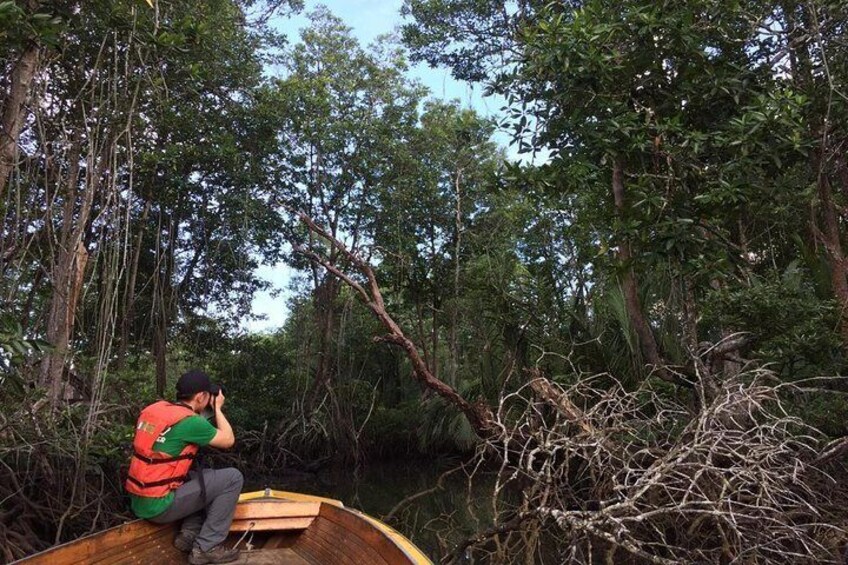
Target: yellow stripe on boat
point(285, 495)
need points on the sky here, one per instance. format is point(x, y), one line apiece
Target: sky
point(368, 20)
point(372, 18)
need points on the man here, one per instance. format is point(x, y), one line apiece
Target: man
point(167, 438)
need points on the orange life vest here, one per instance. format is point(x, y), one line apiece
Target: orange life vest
point(152, 473)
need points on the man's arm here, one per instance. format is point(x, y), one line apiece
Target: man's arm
point(224, 438)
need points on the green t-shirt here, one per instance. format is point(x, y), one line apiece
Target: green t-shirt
point(194, 429)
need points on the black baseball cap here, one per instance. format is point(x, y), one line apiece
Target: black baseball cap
point(195, 381)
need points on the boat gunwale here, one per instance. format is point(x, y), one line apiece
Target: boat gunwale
point(398, 540)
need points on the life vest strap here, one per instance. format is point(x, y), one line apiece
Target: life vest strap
point(163, 482)
point(151, 461)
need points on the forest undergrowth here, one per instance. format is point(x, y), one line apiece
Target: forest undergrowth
point(585, 471)
point(59, 478)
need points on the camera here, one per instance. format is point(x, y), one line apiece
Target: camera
point(209, 411)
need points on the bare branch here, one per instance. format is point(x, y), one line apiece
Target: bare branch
point(618, 475)
point(479, 415)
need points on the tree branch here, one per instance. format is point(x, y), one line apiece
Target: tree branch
point(479, 415)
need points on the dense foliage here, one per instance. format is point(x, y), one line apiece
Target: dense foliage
point(674, 222)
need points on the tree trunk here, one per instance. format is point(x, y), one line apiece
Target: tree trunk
point(422, 335)
point(630, 288)
point(707, 383)
point(69, 268)
point(832, 242)
point(325, 299)
point(828, 234)
point(129, 292)
point(66, 289)
point(13, 111)
point(453, 345)
point(434, 307)
point(160, 348)
point(434, 336)
point(162, 299)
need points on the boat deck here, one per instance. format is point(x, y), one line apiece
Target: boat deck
point(273, 557)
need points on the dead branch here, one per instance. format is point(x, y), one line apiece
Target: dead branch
point(511, 525)
point(623, 475)
point(413, 497)
point(479, 415)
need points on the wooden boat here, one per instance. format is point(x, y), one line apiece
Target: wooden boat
point(270, 527)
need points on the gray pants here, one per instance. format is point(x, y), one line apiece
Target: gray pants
point(210, 523)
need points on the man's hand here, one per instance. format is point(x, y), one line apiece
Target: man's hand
point(225, 437)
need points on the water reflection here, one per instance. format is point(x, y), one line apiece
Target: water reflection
point(441, 515)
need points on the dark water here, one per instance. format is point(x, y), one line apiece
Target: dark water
point(436, 522)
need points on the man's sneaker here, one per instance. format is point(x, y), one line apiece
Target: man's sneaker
point(218, 554)
point(184, 541)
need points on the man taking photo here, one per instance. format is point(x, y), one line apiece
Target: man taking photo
point(167, 438)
